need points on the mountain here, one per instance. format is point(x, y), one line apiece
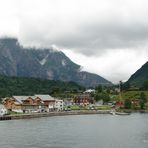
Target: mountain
point(16, 60)
point(29, 86)
point(140, 76)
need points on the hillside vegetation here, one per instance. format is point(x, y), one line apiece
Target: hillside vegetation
point(139, 77)
point(133, 94)
point(29, 86)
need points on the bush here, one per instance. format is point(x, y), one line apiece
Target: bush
point(127, 104)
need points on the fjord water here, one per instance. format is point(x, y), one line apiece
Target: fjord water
point(81, 131)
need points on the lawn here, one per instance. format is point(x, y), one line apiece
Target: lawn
point(103, 107)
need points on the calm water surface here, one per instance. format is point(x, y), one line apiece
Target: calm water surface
point(83, 131)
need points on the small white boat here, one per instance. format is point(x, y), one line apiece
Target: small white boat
point(112, 112)
point(122, 113)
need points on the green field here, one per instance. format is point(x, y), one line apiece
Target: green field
point(133, 94)
point(103, 107)
point(129, 95)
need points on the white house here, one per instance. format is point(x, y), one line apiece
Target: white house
point(88, 91)
point(59, 104)
point(3, 110)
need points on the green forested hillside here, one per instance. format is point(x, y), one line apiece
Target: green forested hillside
point(140, 76)
point(29, 86)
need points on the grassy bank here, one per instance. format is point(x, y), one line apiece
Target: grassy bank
point(103, 107)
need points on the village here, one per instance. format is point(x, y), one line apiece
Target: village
point(42, 103)
point(88, 100)
point(46, 103)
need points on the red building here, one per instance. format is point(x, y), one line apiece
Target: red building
point(83, 100)
point(119, 104)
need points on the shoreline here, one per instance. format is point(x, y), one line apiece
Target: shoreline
point(51, 114)
point(66, 113)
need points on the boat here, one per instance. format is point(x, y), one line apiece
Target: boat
point(113, 112)
point(122, 113)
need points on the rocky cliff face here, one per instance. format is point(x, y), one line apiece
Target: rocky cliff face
point(42, 63)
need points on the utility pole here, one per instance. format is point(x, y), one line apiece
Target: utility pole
point(120, 89)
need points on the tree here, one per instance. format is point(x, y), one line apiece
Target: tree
point(121, 86)
point(142, 100)
point(143, 97)
point(127, 104)
point(145, 85)
point(99, 89)
point(97, 97)
point(102, 96)
point(142, 104)
point(106, 97)
point(108, 90)
point(126, 86)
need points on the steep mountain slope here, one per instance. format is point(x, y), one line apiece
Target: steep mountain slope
point(16, 60)
point(139, 76)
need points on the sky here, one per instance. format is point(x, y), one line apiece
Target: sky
point(106, 37)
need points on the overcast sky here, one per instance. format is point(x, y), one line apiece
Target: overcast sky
point(107, 37)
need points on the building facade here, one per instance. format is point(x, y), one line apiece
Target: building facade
point(3, 110)
point(36, 103)
point(83, 100)
point(59, 105)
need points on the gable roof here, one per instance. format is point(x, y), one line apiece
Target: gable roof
point(22, 98)
point(45, 97)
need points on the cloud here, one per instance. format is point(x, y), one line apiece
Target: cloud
point(103, 32)
point(114, 66)
point(9, 23)
point(86, 26)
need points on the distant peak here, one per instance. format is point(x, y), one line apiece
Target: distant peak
point(9, 39)
point(55, 48)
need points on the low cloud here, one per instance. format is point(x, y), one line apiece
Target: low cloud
point(114, 66)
